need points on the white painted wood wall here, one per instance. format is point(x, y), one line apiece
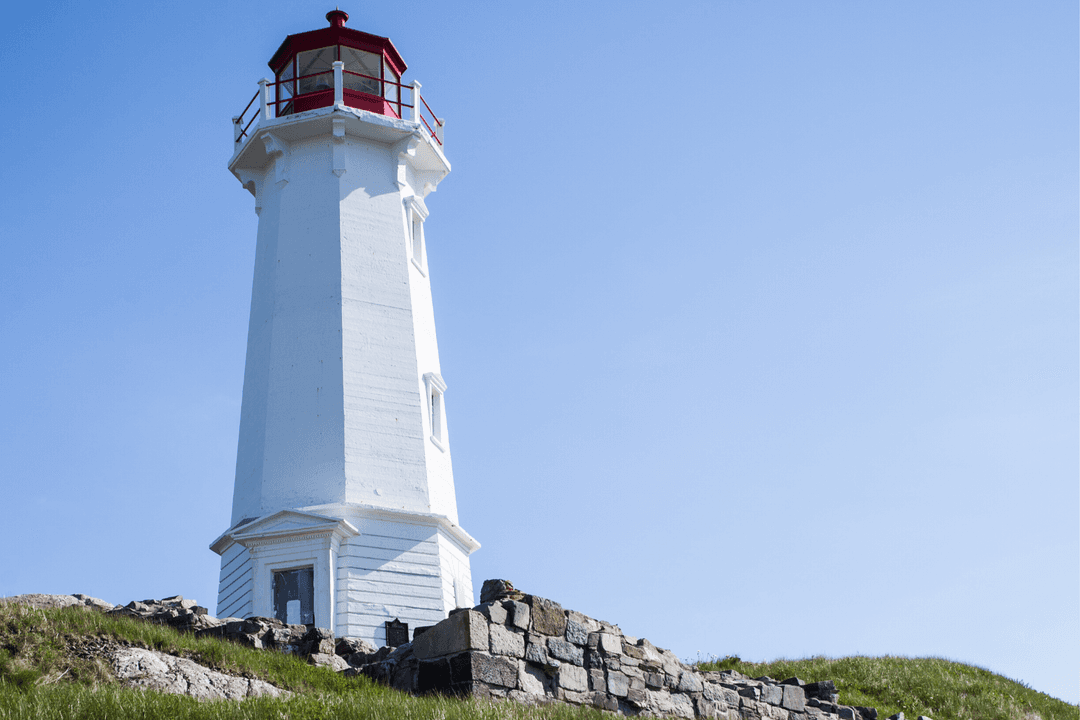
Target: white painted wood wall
point(341, 361)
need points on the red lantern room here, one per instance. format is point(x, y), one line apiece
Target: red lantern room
point(304, 70)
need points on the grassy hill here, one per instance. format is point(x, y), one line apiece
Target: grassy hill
point(52, 665)
point(933, 687)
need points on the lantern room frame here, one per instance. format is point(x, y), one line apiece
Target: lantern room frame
point(331, 52)
point(297, 89)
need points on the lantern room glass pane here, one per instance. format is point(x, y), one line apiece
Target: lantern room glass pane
point(391, 77)
point(318, 65)
point(286, 88)
point(362, 63)
point(286, 72)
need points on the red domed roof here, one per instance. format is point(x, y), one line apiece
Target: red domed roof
point(337, 34)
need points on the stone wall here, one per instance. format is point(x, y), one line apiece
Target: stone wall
point(529, 649)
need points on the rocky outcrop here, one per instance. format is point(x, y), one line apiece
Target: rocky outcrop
point(147, 669)
point(59, 601)
point(152, 670)
point(176, 611)
point(316, 645)
point(493, 590)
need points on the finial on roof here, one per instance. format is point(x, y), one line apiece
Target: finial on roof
point(337, 17)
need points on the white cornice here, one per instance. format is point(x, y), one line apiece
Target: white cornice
point(316, 526)
point(449, 528)
point(427, 160)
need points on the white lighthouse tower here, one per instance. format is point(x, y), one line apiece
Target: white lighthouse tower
point(344, 514)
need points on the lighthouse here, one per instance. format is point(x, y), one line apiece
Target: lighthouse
point(344, 513)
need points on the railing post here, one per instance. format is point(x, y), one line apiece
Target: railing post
point(416, 101)
point(264, 104)
point(236, 130)
point(440, 130)
point(339, 83)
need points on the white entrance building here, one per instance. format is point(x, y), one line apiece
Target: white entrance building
point(344, 514)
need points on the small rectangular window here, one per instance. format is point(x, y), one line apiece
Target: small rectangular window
point(436, 414)
point(415, 214)
point(436, 409)
point(418, 240)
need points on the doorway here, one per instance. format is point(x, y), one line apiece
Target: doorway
point(294, 596)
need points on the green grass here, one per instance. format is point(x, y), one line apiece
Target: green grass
point(73, 701)
point(933, 687)
point(42, 677)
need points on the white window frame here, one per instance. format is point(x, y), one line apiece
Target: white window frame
point(416, 213)
point(293, 555)
point(436, 409)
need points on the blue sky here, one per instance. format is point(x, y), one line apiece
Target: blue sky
point(759, 320)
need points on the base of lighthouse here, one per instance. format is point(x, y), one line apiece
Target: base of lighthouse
point(350, 569)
